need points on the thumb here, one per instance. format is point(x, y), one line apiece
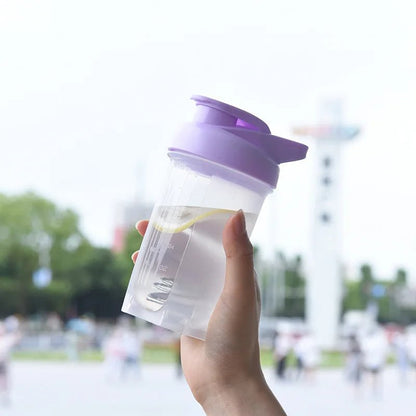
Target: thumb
point(239, 275)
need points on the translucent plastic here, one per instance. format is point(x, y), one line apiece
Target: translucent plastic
point(179, 273)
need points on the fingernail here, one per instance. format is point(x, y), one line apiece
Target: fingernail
point(240, 223)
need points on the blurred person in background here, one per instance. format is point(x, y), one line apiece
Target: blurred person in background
point(114, 355)
point(374, 347)
point(282, 348)
point(131, 351)
point(80, 336)
point(72, 345)
point(12, 325)
point(400, 348)
point(9, 337)
point(354, 364)
point(308, 354)
point(297, 351)
point(53, 322)
point(411, 349)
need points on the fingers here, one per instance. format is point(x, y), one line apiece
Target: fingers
point(141, 226)
point(239, 280)
point(134, 256)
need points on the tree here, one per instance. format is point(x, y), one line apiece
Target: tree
point(282, 285)
point(353, 298)
point(385, 294)
point(34, 232)
point(103, 292)
point(132, 243)
point(400, 279)
point(294, 287)
point(366, 283)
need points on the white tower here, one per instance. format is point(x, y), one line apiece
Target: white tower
point(323, 289)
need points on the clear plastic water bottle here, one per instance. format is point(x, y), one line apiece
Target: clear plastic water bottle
point(225, 160)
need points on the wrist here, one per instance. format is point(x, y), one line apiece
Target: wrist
point(248, 397)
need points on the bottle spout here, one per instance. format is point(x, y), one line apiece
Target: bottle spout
point(276, 148)
point(210, 111)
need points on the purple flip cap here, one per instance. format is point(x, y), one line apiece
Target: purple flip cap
point(236, 139)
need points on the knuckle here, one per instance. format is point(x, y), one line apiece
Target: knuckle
point(241, 252)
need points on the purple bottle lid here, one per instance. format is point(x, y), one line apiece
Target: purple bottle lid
point(236, 139)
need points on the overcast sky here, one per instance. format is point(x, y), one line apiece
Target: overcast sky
point(92, 90)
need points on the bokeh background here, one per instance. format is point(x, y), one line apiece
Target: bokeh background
point(92, 91)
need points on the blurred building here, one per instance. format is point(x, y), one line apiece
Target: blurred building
point(323, 289)
point(126, 217)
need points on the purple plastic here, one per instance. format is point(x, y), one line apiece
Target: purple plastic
point(236, 139)
point(238, 118)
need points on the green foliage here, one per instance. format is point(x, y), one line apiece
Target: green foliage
point(358, 295)
point(132, 243)
point(55, 297)
point(86, 279)
point(353, 298)
point(282, 284)
point(294, 286)
point(9, 296)
point(366, 282)
point(103, 288)
point(401, 278)
point(32, 231)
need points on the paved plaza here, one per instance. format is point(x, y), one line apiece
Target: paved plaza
point(65, 389)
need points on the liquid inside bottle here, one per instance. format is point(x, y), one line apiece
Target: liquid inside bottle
point(182, 258)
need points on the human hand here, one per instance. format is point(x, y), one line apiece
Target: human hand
point(224, 371)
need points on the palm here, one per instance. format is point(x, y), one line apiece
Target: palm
point(230, 350)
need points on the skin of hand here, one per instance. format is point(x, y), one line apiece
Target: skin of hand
point(224, 371)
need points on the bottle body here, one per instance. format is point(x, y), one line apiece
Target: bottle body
point(179, 273)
